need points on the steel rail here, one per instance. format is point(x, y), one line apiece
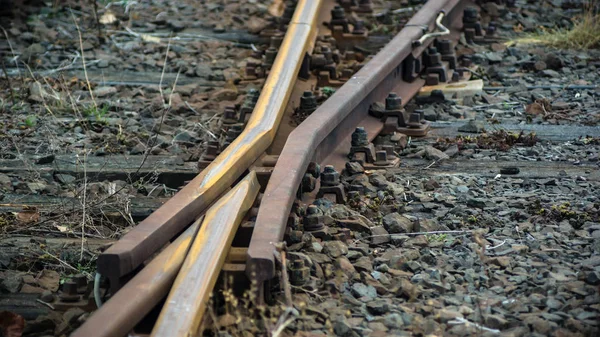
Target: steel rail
point(324, 137)
point(182, 313)
point(119, 315)
point(141, 242)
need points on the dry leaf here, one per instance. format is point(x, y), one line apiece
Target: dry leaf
point(108, 18)
point(28, 216)
point(276, 8)
point(61, 228)
point(229, 85)
point(150, 38)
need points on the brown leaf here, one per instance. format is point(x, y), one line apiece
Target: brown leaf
point(11, 324)
point(28, 216)
point(49, 279)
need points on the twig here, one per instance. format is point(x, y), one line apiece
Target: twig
point(46, 304)
point(280, 255)
point(87, 80)
point(494, 247)
point(460, 320)
point(83, 204)
point(200, 124)
point(420, 233)
point(162, 74)
point(430, 165)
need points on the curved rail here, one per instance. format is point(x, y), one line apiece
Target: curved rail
point(324, 135)
point(154, 232)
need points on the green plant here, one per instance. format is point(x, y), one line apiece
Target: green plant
point(436, 237)
point(30, 121)
point(95, 111)
point(327, 91)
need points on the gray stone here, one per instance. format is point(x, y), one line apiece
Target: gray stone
point(434, 154)
point(335, 249)
point(396, 223)
point(378, 307)
point(361, 290)
point(104, 91)
point(393, 321)
point(379, 236)
point(5, 182)
point(495, 322)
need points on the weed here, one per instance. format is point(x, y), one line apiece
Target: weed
point(585, 33)
point(327, 91)
point(97, 112)
point(436, 237)
point(30, 121)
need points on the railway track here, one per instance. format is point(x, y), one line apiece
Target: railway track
point(261, 190)
point(322, 138)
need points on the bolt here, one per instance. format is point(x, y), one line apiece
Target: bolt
point(313, 220)
point(276, 41)
point(360, 137)
point(389, 149)
point(299, 273)
point(414, 120)
point(80, 280)
point(445, 47)
point(288, 11)
point(470, 15)
point(338, 13)
point(309, 183)
point(393, 102)
point(308, 102)
point(330, 177)
point(212, 147)
point(229, 113)
point(359, 28)
point(434, 59)
point(381, 157)
point(270, 54)
point(314, 169)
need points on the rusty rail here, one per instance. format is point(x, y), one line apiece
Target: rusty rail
point(122, 312)
point(324, 137)
point(187, 301)
point(154, 232)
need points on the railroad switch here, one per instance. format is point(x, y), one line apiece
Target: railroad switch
point(330, 184)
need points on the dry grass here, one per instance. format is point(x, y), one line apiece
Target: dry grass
point(585, 33)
